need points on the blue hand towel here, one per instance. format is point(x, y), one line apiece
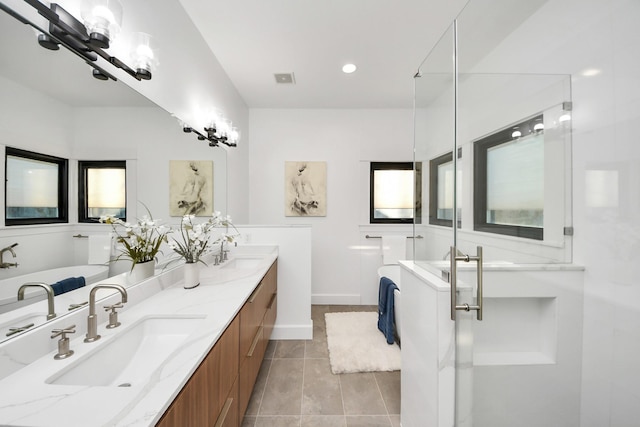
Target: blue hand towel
point(67, 285)
point(386, 323)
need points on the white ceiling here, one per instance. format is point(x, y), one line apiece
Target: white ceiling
point(386, 39)
point(254, 39)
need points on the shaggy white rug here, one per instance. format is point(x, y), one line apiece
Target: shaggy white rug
point(356, 344)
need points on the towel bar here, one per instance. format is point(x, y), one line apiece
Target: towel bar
point(380, 237)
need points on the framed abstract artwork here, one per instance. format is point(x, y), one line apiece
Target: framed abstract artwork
point(305, 188)
point(190, 187)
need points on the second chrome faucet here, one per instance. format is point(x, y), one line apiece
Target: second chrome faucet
point(92, 320)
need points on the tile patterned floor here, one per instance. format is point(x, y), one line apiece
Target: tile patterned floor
point(295, 386)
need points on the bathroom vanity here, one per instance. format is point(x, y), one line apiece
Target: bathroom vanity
point(181, 357)
point(218, 393)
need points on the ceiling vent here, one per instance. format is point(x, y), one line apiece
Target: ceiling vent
point(285, 78)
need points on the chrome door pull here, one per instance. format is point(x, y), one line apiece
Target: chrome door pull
point(455, 256)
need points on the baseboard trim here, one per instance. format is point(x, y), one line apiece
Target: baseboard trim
point(335, 299)
point(293, 332)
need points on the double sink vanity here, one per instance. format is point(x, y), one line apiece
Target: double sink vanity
point(178, 357)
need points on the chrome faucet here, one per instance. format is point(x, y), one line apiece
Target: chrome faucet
point(47, 288)
point(8, 249)
point(92, 320)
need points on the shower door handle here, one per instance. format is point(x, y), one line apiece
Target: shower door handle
point(456, 256)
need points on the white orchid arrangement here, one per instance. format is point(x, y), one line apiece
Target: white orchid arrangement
point(195, 238)
point(141, 241)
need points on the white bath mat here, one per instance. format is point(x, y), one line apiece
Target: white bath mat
point(356, 344)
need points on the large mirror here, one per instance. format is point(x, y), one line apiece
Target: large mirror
point(51, 104)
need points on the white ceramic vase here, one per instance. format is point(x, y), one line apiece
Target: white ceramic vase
point(191, 275)
point(141, 271)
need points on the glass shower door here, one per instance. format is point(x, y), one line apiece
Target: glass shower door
point(493, 139)
point(519, 299)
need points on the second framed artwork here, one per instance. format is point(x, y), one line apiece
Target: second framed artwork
point(190, 187)
point(305, 188)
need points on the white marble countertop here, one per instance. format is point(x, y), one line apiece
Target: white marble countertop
point(26, 399)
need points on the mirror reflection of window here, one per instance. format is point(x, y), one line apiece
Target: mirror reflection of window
point(35, 188)
point(102, 190)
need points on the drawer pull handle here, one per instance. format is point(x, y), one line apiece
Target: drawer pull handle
point(255, 293)
point(225, 411)
point(255, 341)
point(273, 299)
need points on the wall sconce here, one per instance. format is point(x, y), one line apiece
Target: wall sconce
point(102, 20)
point(217, 132)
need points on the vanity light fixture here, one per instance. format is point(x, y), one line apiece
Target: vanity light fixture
point(88, 40)
point(516, 133)
point(538, 126)
point(217, 132)
point(102, 19)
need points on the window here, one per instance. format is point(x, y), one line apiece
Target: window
point(441, 190)
point(391, 192)
point(509, 181)
point(35, 188)
point(101, 190)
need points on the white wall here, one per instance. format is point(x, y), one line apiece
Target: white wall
point(346, 140)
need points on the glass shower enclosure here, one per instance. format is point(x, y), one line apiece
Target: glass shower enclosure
point(493, 161)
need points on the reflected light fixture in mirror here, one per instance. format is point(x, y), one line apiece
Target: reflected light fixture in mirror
point(220, 130)
point(103, 19)
point(143, 55)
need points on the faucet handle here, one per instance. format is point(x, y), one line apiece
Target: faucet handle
point(68, 330)
point(113, 306)
point(113, 316)
point(63, 343)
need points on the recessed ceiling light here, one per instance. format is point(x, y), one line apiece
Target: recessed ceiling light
point(349, 68)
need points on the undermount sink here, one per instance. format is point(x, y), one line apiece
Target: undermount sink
point(130, 357)
point(243, 263)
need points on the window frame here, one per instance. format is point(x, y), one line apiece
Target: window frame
point(63, 187)
point(375, 166)
point(433, 189)
point(83, 166)
point(480, 150)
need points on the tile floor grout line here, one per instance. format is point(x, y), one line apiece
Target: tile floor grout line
point(304, 366)
point(384, 402)
point(344, 409)
point(264, 389)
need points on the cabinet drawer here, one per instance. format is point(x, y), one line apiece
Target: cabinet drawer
point(229, 415)
point(253, 311)
point(249, 368)
point(270, 317)
point(222, 370)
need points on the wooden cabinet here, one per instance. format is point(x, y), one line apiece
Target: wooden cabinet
point(203, 398)
point(257, 318)
point(218, 392)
